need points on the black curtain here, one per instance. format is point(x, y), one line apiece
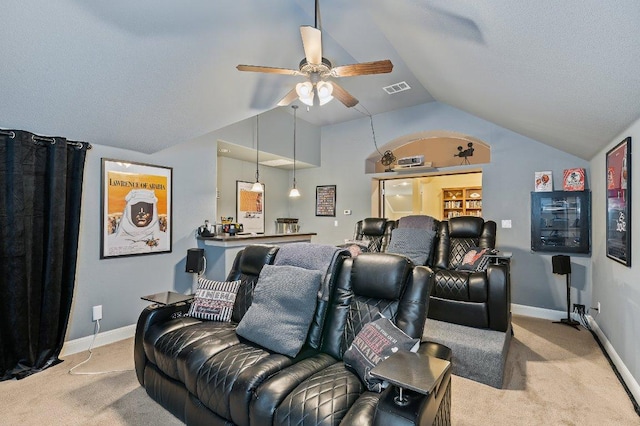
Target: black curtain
point(40, 194)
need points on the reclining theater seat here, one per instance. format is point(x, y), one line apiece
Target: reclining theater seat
point(375, 230)
point(220, 389)
point(322, 390)
point(477, 299)
point(167, 341)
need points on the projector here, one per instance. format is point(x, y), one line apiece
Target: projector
point(416, 160)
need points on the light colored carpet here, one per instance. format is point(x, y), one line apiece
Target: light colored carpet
point(554, 375)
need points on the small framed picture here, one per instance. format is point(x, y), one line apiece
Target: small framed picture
point(326, 200)
point(543, 181)
point(573, 179)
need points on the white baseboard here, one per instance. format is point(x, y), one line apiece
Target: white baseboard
point(532, 311)
point(553, 315)
point(82, 344)
point(626, 375)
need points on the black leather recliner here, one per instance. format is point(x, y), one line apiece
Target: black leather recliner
point(203, 373)
point(376, 231)
point(476, 299)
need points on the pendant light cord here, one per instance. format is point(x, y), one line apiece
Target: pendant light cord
point(295, 110)
point(257, 147)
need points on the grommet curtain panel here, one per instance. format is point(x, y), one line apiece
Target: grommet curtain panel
point(40, 195)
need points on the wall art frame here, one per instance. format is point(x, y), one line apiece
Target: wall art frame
point(618, 190)
point(250, 207)
point(136, 206)
point(326, 200)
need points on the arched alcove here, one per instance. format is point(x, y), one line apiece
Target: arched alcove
point(439, 147)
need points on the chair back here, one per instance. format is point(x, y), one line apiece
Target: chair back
point(457, 235)
point(375, 230)
point(246, 267)
point(372, 284)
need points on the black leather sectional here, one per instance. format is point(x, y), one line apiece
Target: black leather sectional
point(203, 373)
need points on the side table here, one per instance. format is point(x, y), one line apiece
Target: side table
point(167, 298)
point(418, 380)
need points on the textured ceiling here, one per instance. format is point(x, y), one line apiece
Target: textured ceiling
point(148, 74)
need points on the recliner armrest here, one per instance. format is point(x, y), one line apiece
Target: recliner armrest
point(499, 297)
point(151, 315)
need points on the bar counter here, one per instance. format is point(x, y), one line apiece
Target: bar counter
point(221, 250)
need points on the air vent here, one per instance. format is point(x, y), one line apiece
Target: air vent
point(397, 87)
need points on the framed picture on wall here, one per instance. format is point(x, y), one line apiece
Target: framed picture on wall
point(326, 200)
point(618, 169)
point(250, 207)
point(136, 209)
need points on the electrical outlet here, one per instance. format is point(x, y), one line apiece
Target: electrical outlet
point(599, 308)
point(97, 312)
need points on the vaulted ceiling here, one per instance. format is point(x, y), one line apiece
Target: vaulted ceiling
point(148, 74)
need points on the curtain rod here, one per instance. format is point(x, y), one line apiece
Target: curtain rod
point(52, 141)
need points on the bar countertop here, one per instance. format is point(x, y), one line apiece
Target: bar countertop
point(245, 239)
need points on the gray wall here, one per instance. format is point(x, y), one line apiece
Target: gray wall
point(507, 183)
point(615, 286)
point(118, 283)
point(276, 183)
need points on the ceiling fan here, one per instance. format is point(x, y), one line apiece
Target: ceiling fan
point(317, 69)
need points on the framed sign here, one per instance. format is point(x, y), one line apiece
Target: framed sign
point(136, 209)
point(250, 207)
point(618, 170)
point(326, 200)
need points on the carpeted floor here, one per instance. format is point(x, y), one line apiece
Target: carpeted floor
point(554, 375)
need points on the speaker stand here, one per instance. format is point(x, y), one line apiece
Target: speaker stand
point(568, 321)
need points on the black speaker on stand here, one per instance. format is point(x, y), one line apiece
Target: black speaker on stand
point(562, 266)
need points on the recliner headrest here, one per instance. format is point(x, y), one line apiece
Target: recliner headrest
point(379, 275)
point(254, 257)
point(373, 226)
point(465, 227)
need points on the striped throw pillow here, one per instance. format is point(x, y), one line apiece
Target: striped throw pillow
point(214, 300)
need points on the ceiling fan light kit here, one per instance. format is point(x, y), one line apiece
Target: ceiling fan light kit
point(317, 69)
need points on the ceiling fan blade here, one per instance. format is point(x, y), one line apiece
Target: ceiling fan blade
point(343, 96)
point(269, 70)
point(375, 67)
point(312, 44)
point(289, 97)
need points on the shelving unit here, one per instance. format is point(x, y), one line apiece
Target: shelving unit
point(465, 201)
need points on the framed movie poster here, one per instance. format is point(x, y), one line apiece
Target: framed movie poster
point(326, 200)
point(136, 209)
point(618, 170)
point(250, 207)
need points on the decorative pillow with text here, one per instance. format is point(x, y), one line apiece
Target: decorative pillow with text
point(214, 300)
point(377, 340)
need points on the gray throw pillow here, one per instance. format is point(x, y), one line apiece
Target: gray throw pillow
point(414, 243)
point(284, 302)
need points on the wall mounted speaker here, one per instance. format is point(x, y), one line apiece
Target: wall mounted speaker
point(195, 260)
point(561, 264)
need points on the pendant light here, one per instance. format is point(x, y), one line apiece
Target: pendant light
point(294, 193)
point(257, 186)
